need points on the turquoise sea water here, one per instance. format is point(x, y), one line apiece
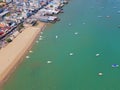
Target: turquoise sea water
point(96, 22)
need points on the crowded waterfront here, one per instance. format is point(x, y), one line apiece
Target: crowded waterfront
point(79, 52)
point(21, 23)
point(15, 15)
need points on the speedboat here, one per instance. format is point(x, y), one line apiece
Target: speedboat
point(115, 65)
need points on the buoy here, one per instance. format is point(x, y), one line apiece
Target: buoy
point(71, 54)
point(27, 57)
point(49, 61)
point(115, 65)
point(100, 74)
point(76, 33)
point(97, 55)
point(56, 36)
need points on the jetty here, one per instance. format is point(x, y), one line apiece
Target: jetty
point(49, 19)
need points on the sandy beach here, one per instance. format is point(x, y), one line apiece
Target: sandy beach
point(15, 51)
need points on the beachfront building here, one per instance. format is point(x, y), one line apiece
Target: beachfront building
point(4, 28)
point(35, 3)
point(8, 1)
point(3, 14)
point(21, 1)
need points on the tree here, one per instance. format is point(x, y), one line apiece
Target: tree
point(9, 40)
point(20, 26)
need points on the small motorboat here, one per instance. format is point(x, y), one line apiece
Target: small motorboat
point(56, 36)
point(27, 57)
point(108, 16)
point(97, 55)
point(71, 54)
point(76, 33)
point(115, 65)
point(49, 61)
point(100, 74)
point(30, 51)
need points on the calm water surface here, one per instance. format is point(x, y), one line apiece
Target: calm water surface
point(96, 24)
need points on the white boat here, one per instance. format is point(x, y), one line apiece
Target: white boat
point(97, 55)
point(49, 61)
point(100, 74)
point(27, 57)
point(56, 36)
point(76, 33)
point(108, 16)
point(40, 36)
point(48, 19)
point(71, 54)
point(30, 51)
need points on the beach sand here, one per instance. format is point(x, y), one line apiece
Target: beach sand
point(12, 54)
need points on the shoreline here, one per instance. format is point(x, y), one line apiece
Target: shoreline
point(12, 54)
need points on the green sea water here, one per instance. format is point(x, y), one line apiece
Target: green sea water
point(96, 24)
